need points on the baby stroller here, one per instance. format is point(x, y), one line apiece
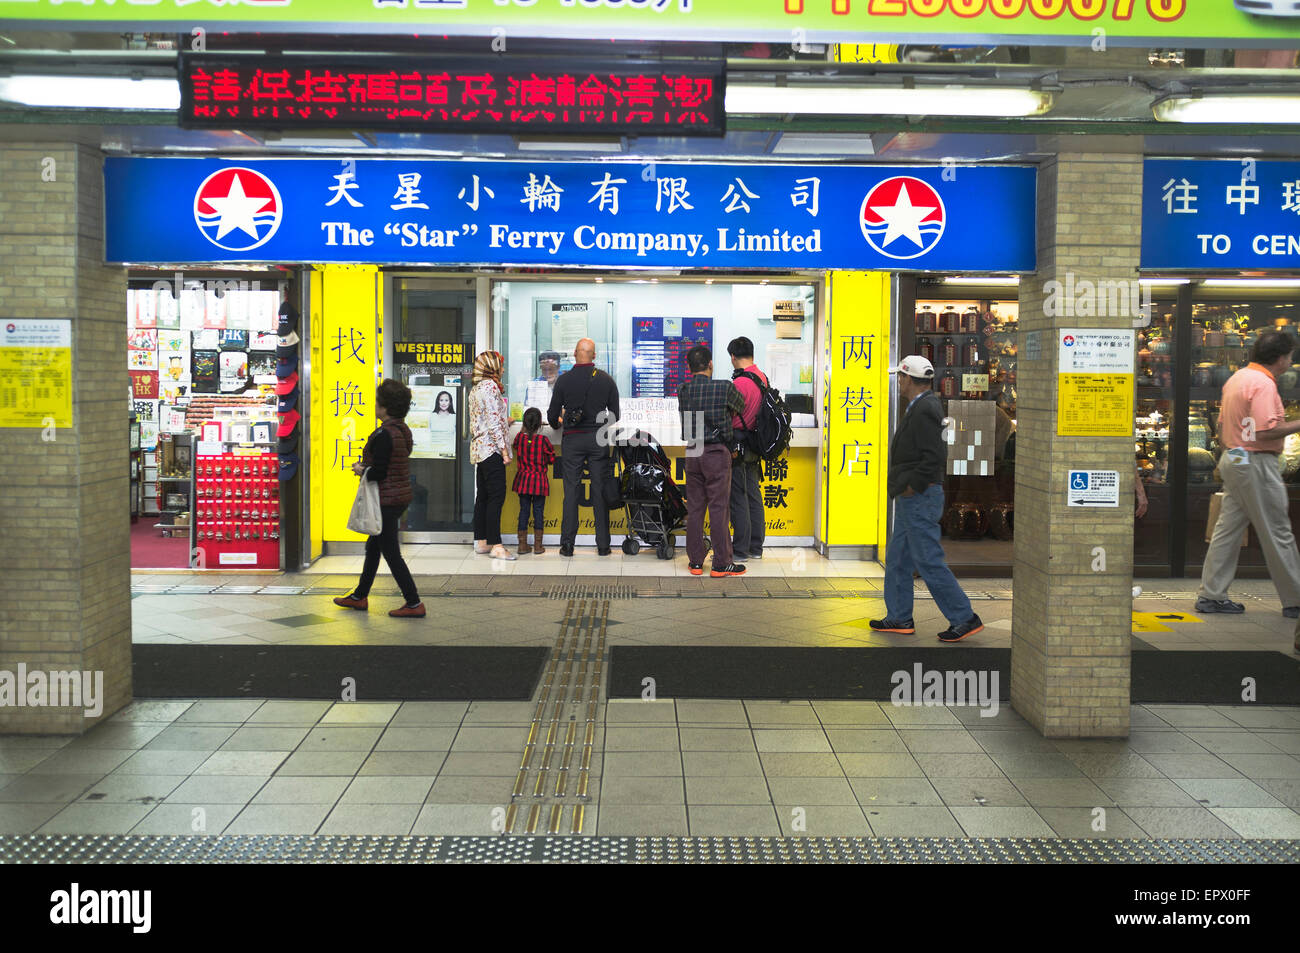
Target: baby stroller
point(655, 505)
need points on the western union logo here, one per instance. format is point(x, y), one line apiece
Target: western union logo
point(423, 352)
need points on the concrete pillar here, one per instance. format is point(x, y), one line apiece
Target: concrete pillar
point(65, 559)
point(1071, 624)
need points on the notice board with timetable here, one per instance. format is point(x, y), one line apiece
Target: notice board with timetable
point(35, 372)
point(1095, 382)
point(659, 347)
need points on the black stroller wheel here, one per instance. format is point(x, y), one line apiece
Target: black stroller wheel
point(666, 548)
point(631, 545)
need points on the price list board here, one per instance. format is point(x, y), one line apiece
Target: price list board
point(35, 372)
point(659, 347)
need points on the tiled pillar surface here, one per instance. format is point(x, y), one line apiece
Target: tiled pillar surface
point(1070, 664)
point(65, 600)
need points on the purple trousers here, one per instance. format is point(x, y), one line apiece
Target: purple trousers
point(708, 484)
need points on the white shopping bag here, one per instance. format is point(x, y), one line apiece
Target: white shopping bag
point(366, 517)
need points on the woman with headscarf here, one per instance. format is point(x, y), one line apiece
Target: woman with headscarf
point(489, 451)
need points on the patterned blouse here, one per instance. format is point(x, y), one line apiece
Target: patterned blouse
point(488, 422)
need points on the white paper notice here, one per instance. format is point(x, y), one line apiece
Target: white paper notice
point(568, 327)
point(538, 395)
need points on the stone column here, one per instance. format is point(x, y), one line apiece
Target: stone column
point(1071, 623)
point(66, 554)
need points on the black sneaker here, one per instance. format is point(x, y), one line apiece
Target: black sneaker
point(731, 569)
point(901, 626)
point(1292, 612)
point(566, 549)
point(1219, 605)
point(603, 551)
point(757, 555)
point(697, 569)
point(955, 633)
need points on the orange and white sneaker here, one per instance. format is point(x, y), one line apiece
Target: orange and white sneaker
point(409, 612)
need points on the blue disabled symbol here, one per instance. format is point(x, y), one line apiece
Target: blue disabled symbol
point(1078, 480)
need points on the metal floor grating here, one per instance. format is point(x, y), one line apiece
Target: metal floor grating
point(356, 849)
point(586, 590)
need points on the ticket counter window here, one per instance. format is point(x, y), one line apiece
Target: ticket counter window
point(442, 318)
point(643, 329)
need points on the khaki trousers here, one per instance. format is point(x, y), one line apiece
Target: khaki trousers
point(1254, 494)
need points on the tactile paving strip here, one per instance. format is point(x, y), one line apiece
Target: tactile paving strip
point(355, 849)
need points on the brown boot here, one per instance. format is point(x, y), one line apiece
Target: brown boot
point(524, 548)
point(538, 548)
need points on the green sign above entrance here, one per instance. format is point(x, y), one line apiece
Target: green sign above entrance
point(1165, 23)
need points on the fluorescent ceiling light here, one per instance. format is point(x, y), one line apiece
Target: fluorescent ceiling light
point(1163, 282)
point(91, 92)
point(887, 101)
point(812, 145)
point(569, 145)
point(975, 280)
point(1261, 284)
point(1233, 109)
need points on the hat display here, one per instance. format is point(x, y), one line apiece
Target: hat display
point(287, 401)
point(288, 444)
point(914, 366)
point(288, 318)
point(288, 465)
point(289, 340)
point(286, 384)
point(284, 367)
point(287, 352)
point(288, 423)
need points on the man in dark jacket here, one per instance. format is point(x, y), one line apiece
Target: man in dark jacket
point(707, 408)
point(916, 463)
point(583, 399)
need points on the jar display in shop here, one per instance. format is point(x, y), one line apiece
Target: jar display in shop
point(949, 352)
point(927, 322)
point(1198, 432)
point(948, 321)
point(925, 347)
point(1203, 375)
point(1200, 465)
point(1221, 374)
point(948, 385)
point(970, 353)
point(970, 321)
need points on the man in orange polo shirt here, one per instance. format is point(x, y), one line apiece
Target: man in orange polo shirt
point(1252, 429)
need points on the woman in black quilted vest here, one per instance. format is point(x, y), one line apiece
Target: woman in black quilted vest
point(388, 454)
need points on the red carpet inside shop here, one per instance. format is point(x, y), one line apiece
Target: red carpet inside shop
point(150, 549)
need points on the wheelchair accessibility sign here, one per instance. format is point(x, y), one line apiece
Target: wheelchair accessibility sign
point(1093, 488)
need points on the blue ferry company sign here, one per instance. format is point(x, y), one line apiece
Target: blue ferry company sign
point(609, 214)
point(1209, 214)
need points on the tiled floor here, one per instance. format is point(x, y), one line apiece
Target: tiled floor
point(837, 616)
point(437, 559)
point(665, 767)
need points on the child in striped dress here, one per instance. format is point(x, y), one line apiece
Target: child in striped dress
point(534, 455)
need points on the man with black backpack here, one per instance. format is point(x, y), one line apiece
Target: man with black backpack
point(748, 521)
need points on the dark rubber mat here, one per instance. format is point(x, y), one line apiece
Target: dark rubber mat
point(1205, 678)
point(381, 672)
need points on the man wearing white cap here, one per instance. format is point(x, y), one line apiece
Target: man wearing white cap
point(916, 463)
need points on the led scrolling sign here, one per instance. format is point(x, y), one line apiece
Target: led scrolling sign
point(461, 94)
